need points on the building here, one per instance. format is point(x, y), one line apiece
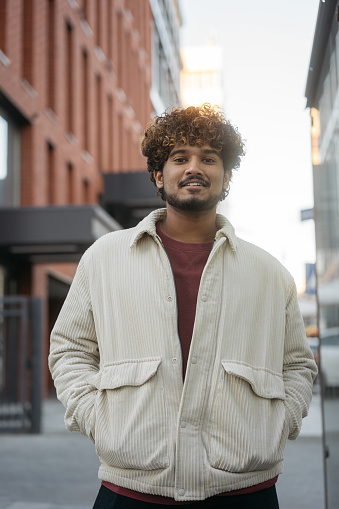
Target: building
point(322, 93)
point(202, 75)
point(79, 81)
point(166, 60)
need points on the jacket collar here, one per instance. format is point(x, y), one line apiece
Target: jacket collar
point(148, 226)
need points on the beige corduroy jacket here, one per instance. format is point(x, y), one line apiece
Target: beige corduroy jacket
point(116, 361)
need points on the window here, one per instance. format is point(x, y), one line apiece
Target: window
point(98, 22)
point(330, 340)
point(120, 53)
point(99, 119)
point(51, 54)
point(27, 47)
point(110, 131)
point(70, 183)
point(109, 29)
point(3, 148)
point(85, 186)
point(50, 174)
point(85, 8)
point(69, 77)
point(3, 25)
point(9, 160)
point(85, 96)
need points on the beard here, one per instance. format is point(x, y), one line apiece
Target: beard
point(193, 203)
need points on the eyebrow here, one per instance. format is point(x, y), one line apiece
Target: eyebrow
point(206, 151)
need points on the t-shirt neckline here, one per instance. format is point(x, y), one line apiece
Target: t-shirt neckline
point(183, 246)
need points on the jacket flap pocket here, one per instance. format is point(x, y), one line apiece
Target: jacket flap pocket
point(264, 383)
point(133, 373)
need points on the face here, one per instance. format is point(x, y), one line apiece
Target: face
point(193, 178)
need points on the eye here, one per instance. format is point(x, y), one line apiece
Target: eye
point(180, 159)
point(209, 160)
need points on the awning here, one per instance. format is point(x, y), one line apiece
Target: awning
point(129, 197)
point(53, 233)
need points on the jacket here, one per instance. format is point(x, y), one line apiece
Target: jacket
point(116, 361)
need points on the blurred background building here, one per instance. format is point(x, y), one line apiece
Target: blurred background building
point(202, 75)
point(79, 81)
point(322, 92)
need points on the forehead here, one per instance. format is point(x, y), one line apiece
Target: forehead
point(194, 150)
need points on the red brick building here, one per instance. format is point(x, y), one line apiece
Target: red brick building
point(79, 80)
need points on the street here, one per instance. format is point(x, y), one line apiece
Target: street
point(58, 469)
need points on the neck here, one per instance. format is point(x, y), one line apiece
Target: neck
point(190, 226)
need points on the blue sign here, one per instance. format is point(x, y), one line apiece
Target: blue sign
point(306, 214)
point(311, 282)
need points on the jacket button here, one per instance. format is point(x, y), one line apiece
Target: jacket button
point(169, 298)
point(183, 424)
point(181, 492)
point(204, 298)
point(194, 360)
point(175, 360)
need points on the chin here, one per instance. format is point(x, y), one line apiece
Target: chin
point(193, 204)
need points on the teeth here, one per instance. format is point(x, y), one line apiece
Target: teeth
point(193, 184)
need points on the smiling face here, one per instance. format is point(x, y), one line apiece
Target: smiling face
point(193, 178)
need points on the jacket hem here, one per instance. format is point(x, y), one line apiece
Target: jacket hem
point(233, 483)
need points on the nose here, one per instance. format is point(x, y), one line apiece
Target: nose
point(193, 167)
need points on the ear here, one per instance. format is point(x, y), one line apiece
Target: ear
point(158, 176)
point(227, 178)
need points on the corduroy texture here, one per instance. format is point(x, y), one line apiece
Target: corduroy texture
point(116, 362)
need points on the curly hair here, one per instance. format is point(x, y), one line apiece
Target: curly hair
point(198, 126)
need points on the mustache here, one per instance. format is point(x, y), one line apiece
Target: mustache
point(182, 183)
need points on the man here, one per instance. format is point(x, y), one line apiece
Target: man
point(180, 349)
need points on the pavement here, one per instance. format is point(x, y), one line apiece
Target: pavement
point(58, 469)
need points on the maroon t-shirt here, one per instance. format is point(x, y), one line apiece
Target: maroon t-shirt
point(187, 262)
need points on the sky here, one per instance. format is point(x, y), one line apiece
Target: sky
point(266, 48)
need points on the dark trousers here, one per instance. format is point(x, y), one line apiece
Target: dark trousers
point(264, 499)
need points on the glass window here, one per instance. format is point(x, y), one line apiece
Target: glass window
point(3, 147)
point(9, 160)
point(330, 341)
point(333, 78)
point(337, 55)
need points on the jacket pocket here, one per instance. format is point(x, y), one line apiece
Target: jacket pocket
point(247, 429)
point(130, 427)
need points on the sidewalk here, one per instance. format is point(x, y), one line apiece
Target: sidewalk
point(54, 470)
point(58, 469)
point(301, 486)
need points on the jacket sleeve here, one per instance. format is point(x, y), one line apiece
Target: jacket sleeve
point(300, 369)
point(74, 356)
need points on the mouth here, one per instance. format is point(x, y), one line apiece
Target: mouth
point(194, 183)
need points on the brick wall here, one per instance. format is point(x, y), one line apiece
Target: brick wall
point(80, 73)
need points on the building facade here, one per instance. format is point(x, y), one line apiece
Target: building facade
point(79, 81)
point(166, 60)
point(202, 75)
point(322, 93)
